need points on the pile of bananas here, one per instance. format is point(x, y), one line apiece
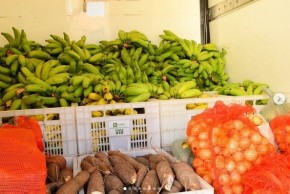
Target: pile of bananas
point(128, 69)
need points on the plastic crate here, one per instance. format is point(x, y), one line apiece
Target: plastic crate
point(174, 116)
point(253, 100)
point(118, 132)
point(57, 125)
point(205, 187)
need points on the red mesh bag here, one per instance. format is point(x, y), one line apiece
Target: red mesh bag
point(280, 126)
point(22, 164)
point(31, 124)
point(226, 144)
point(271, 176)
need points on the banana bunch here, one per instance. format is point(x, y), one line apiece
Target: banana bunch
point(186, 89)
point(127, 39)
point(247, 87)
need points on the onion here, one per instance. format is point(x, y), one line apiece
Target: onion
point(287, 129)
point(191, 140)
point(220, 162)
point(216, 131)
point(201, 171)
point(244, 143)
point(238, 156)
point(230, 165)
point(236, 177)
point(203, 144)
point(224, 178)
point(246, 132)
point(207, 178)
point(256, 138)
point(208, 164)
point(251, 154)
point(232, 146)
point(204, 154)
point(237, 188)
point(203, 135)
point(262, 149)
point(242, 167)
point(197, 162)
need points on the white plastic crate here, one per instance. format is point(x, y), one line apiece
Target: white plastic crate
point(57, 125)
point(251, 99)
point(205, 187)
point(174, 116)
point(117, 132)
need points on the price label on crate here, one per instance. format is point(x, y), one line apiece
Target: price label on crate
point(119, 128)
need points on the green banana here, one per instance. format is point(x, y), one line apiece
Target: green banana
point(11, 58)
point(139, 98)
point(191, 93)
point(16, 104)
point(58, 69)
point(4, 70)
point(96, 58)
point(86, 82)
point(70, 97)
point(30, 99)
point(35, 88)
point(134, 90)
point(6, 79)
point(9, 38)
point(78, 50)
point(171, 34)
point(60, 40)
point(63, 102)
point(186, 86)
point(49, 100)
point(90, 68)
point(46, 67)
point(73, 54)
point(88, 90)
point(4, 85)
point(58, 79)
point(39, 55)
point(35, 80)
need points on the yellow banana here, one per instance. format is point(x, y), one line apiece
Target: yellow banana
point(186, 86)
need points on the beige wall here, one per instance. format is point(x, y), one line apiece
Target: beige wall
point(39, 18)
point(257, 38)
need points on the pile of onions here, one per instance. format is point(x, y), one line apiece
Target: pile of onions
point(225, 150)
point(280, 126)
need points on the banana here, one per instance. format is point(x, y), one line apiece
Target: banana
point(65, 58)
point(186, 86)
point(88, 90)
point(9, 38)
point(94, 96)
point(137, 53)
point(144, 78)
point(143, 59)
point(58, 69)
point(247, 83)
point(185, 47)
point(58, 79)
point(139, 98)
point(70, 97)
point(49, 100)
point(81, 42)
point(16, 104)
point(171, 34)
point(135, 90)
point(73, 54)
point(21, 78)
point(167, 69)
point(78, 50)
point(35, 80)
point(87, 54)
point(166, 37)
point(39, 55)
point(4, 70)
point(96, 58)
point(210, 47)
point(11, 58)
point(207, 67)
point(140, 41)
point(191, 93)
point(204, 55)
point(249, 88)
point(125, 56)
point(4, 85)
point(78, 92)
point(258, 90)
point(17, 37)
point(56, 51)
point(30, 99)
point(46, 67)
point(63, 102)
point(26, 72)
point(38, 70)
point(77, 80)
point(90, 68)
point(35, 88)
point(62, 88)
point(59, 40)
point(86, 82)
point(121, 35)
point(6, 79)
